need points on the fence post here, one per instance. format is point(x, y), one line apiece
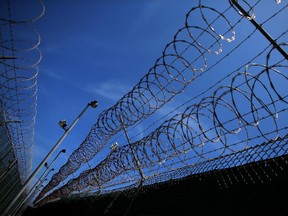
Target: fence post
point(258, 27)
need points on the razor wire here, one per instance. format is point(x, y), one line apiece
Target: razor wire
point(182, 61)
point(215, 64)
point(253, 103)
point(273, 150)
point(19, 57)
point(72, 165)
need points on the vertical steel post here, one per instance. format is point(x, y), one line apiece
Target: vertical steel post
point(133, 152)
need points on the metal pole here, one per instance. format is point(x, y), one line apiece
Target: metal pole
point(39, 179)
point(133, 152)
point(266, 35)
point(39, 182)
point(93, 104)
point(94, 175)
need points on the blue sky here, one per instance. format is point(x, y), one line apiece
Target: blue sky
point(95, 50)
point(98, 50)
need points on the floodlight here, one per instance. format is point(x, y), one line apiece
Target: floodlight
point(93, 104)
point(63, 151)
point(114, 146)
point(63, 124)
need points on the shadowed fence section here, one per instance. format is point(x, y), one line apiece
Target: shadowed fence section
point(19, 57)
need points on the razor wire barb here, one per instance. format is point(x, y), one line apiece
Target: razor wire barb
point(19, 58)
point(184, 139)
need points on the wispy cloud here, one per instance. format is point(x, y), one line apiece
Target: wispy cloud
point(49, 47)
point(150, 10)
point(51, 74)
point(113, 90)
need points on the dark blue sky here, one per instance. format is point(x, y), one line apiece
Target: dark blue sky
point(95, 50)
point(98, 50)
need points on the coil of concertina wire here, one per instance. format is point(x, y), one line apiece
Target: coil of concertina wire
point(275, 150)
point(181, 62)
point(252, 104)
point(272, 153)
point(19, 57)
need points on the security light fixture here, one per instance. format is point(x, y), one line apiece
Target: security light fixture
point(63, 151)
point(114, 146)
point(63, 124)
point(93, 104)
